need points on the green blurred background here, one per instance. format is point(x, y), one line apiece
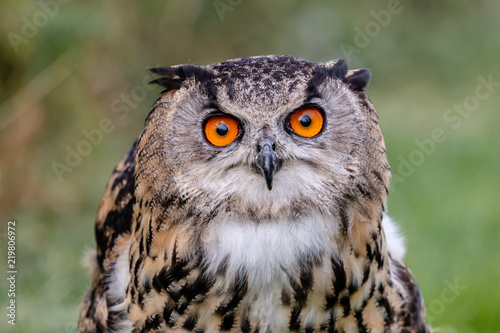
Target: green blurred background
point(67, 66)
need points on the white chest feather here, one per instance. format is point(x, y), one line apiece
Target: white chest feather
point(266, 251)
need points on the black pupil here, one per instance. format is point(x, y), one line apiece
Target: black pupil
point(305, 120)
point(222, 129)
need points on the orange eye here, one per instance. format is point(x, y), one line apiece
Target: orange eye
point(221, 130)
point(307, 121)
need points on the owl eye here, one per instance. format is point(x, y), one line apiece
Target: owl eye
point(221, 130)
point(307, 121)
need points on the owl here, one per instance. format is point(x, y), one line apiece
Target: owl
point(253, 201)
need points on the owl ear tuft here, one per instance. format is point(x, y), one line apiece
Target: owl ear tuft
point(358, 79)
point(337, 68)
point(173, 77)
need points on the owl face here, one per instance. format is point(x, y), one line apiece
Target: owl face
point(273, 134)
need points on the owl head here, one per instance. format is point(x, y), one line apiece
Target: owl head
point(267, 137)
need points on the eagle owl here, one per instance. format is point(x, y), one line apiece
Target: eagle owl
point(253, 201)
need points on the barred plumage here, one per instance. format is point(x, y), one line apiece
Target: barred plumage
point(273, 232)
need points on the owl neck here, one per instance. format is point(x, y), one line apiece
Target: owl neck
point(274, 267)
point(347, 248)
point(352, 237)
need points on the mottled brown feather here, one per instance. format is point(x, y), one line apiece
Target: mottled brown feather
point(168, 198)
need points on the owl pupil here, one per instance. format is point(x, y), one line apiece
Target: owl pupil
point(305, 121)
point(222, 129)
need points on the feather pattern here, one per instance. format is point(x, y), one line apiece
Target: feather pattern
point(191, 239)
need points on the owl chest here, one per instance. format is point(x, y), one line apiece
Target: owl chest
point(263, 266)
point(264, 255)
point(276, 276)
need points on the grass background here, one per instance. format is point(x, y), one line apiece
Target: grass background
point(69, 71)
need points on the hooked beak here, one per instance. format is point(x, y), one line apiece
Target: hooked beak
point(267, 161)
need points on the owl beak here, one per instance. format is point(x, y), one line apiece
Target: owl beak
point(267, 161)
